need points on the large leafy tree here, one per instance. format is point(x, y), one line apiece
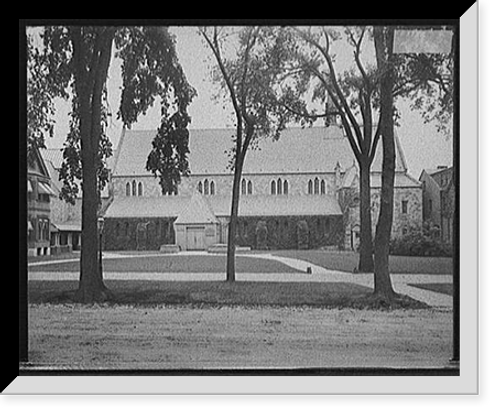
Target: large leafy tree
point(74, 62)
point(351, 95)
point(427, 80)
point(363, 94)
point(249, 74)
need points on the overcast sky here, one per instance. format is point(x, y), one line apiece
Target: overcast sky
point(423, 146)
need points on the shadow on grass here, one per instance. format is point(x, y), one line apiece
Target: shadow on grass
point(217, 294)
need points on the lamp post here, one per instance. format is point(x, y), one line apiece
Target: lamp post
point(100, 227)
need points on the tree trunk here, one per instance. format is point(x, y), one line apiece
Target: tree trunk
point(383, 45)
point(231, 241)
point(89, 87)
point(91, 287)
point(366, 240)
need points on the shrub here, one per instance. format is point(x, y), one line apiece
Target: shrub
point(418, 243)
point(261, 231)
point(302, 235)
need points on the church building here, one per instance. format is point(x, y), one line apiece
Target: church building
point(298, 192)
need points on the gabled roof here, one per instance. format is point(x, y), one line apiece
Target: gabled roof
point(299, 150)
point(401, 179)
point(36, 165)
point(53, 158)
point(197, 211)
point(434, 174)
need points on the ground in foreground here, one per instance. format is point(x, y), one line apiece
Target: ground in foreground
point(181, 337)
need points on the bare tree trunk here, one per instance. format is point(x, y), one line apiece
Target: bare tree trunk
point(231, 241)
point(90, 84)
point(366, 239)
point(91, 286)
point(383, 45)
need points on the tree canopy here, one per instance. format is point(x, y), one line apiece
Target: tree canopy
point(72, 62)
point(150, 69)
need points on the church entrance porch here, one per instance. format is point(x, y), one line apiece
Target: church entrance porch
point(195, 238)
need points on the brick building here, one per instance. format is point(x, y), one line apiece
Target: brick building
point(298, 191)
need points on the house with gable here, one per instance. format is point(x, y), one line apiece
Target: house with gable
point(39, 196)
point(65, 218)
point(306, 180)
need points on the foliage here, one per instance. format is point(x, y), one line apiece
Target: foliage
point(46, 79)
point(150, 69)
point(261, 235)
point(428, 81)
point(255, 79)
point(302, 235)
point(420, 243)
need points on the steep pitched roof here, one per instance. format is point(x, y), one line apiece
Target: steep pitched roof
point(36, 165)
point(53, 158)
point(314, 149)
point(197, 211)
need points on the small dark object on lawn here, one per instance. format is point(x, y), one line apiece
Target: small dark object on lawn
point(309, 270)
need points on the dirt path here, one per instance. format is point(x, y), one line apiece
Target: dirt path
point(229, 337)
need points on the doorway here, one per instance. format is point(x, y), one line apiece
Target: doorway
point(195, 238)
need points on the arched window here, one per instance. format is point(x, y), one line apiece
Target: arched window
point(243, 187)
point(249, 188)
point(273, 187)
point(285, 187)
point(316, 186)
point(139, 189)
point(280, 189)
point(134, 188)
point(127, 189)
point(205, 187)
point(310, 187)
point(200, 187)
point(212, 188)
point(323, 187)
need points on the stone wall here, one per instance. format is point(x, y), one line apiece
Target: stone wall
point(261, 183)
point(402, 221)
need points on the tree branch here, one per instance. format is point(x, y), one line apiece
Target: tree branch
point(376, 139)
point(338, 91)
point(243, 84)
point(357, 59)
point(309, 115)
point(214, 46)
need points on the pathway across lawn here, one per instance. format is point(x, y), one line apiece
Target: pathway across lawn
point(250, 267)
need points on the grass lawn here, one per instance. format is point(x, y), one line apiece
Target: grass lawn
point(332, 260)
point(174, 264)
point(346, 261)
point(217, 294)
point(446, 288)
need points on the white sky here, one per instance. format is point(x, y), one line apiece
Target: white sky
point(423, 146)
